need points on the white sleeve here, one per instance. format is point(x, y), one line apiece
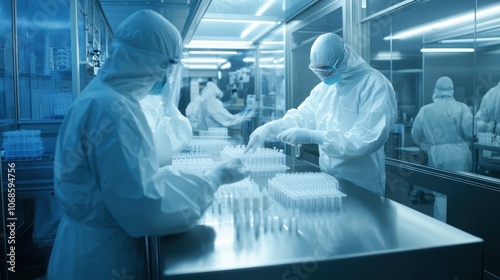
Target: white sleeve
point(221, 115)
point(143, 199)
point(417, 132)
point(370, 130)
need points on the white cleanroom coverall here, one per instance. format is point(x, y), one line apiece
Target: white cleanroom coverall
point(488, 115)
point(444, 129)
point(348, 116)
point(106, 172)
point(213, 112)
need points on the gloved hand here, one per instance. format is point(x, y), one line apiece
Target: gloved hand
point(301, 136)
point(261, 133)
point(228, 172)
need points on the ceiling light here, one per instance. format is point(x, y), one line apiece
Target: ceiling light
point(387, 56)
point(273, 43)
point(272, 51)
point(266, 59)
point(203, 60)
point(213, 52)
point(238, 20)
point(203, 44)
point(426, 50)
point(444, 23)
point(264, 7)
point(274, 66)
point(470, 40)
point(201, 66)
point(226, 65)
point(249, 29)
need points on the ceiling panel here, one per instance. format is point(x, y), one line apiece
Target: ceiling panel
point(178, 12)
point(219, 21)
point(229, 21)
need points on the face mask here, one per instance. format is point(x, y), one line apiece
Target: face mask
point(332, 80)
point(328, 74)
point(158, 86)
point(162, 86)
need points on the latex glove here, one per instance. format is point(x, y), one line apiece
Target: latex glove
point(249, 114)
point(228, 172)
point(301, 136)
point(257, 137)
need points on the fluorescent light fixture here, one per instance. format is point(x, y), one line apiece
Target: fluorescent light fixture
point(469, 40)
point(248, 59)
point(249, 29)
point(213, 52)
point(201, 66)
point(264, 7)
point(263, 59)
point(226, 65)
point(272, 51)
point(444, 23)
point(203, 60)
point(272, 66)
point(441, 50)
point(238, 20)
point(387, 56)
point(279, 60)
point(203, 44)
point(273, 43)
point(363, 4)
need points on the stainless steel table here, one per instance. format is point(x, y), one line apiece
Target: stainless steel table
point(370, 238)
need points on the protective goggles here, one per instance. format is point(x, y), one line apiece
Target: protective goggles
point(164, 79)
point(324, 71)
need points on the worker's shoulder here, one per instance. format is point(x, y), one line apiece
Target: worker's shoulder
point(102, 102)
point(373, 79)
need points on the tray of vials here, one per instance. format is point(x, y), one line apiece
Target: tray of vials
point(263, 163)
point(306, 191)
point(22, 144)
point(197, 162)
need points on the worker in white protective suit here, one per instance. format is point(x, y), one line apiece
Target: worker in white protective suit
point(171, 130)
point(106, 171)
point(213, 112)
point(444, 129)
point(488, 115)
point(349, 115)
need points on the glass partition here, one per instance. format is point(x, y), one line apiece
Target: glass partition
point(416, 45)
point(378, 6)
point(44, 54)
point(7, 102)
point(486, 93)
point(272, 77)
point(233, 71)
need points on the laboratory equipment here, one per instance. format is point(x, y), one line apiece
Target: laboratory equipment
point(22, 144)
point(53, 102)
point(60, 58)
point(210, 141)
point(203, 144)
point(197, 162)
point(264, 163)
point(306, 191)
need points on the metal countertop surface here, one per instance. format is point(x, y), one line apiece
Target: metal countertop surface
point(366, 225)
